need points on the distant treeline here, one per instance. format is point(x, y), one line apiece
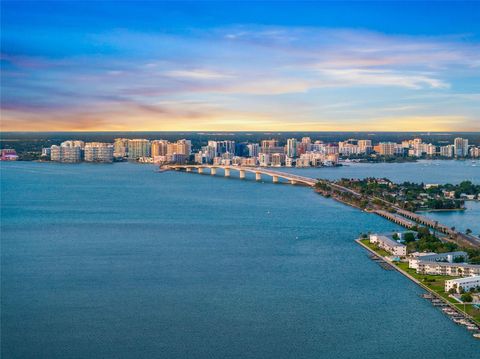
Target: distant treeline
point(35, 141)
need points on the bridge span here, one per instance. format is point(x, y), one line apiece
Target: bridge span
point(258, 171)
point(401, 217)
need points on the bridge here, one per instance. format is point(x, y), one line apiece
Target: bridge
point(401, 217)
point(258, 171)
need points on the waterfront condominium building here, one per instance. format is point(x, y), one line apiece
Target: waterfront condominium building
point(387, 148)
point(120, 147)
point(461, 147)
point(447, 151)
point(138, 148)
point(181, 147)
point(475, 152)
point(68, 151)
point(365, 146)
point(98, 152)
point(159, 148)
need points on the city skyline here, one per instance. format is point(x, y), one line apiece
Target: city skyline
point(240, 66)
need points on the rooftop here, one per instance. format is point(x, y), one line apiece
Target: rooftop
point(465, 279)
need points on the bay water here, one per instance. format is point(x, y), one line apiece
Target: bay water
point(122, 261)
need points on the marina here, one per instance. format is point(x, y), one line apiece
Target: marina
point(457, 316)
point(381, 262)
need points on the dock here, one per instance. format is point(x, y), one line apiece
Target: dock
point(456, 315)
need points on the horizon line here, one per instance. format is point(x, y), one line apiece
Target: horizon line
point(239, 131)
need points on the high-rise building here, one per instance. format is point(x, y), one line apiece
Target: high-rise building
point(98, 152)
point(271, 147)
point(475, 152)
point(431, 150)
point(277, 159)
point(447, 151)
point(68, 151)
point(365, 146)
point(221, 147)
point(264, 159)
point(184, 147)
point(181, 147)
point(387, 148)
point(120, 147)
point(291, 148)
point(461, 147)
point(159, 148)
point(138, 148)
point(269, 143)
point(253, 149)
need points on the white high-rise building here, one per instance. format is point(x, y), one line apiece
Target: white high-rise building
point(68, 151)
point(138, 148)
point(98, 152)
point(120, 147)
point(461, 147)
point(291, 148)
point(253, 149)
point(447, 151)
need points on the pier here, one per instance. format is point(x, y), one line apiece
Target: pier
point(449, 309)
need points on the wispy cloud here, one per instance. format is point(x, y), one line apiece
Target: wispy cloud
point(244, 76)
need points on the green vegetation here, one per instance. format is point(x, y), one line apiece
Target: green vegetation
point(436, 283)
point(374, 247)
point(412, 196)
point(466, 298)
point(428, 242)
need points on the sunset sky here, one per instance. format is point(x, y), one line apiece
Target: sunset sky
point(240, 66)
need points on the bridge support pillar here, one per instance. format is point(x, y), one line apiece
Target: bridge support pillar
point(200, 170)
point(258, 176)
point(213, 171)
point(188, 169)
point(242, 174)
point(275, 179)
point(227, 172)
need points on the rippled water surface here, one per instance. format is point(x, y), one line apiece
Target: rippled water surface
point(121, 261)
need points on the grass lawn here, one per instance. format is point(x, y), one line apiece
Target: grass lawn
point(374, 247)
point(436, 283)
point(470, 309)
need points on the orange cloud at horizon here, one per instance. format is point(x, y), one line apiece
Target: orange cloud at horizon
point(228, 121)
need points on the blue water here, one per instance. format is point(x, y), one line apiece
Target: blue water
point(461, 220)
point(426, 171)
point(119, 261)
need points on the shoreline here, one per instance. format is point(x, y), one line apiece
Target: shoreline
point(420, 284)
point(441, 210)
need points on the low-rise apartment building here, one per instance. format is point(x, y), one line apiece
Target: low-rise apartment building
point(445, 268)
point(448, 257)
point(460, 284)
point(389, 244)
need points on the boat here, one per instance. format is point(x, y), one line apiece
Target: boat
point(476, 335)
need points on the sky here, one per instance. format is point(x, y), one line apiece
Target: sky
point(245, 66)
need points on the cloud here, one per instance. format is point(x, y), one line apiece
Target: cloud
point(273, 75)
point(197, 74)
